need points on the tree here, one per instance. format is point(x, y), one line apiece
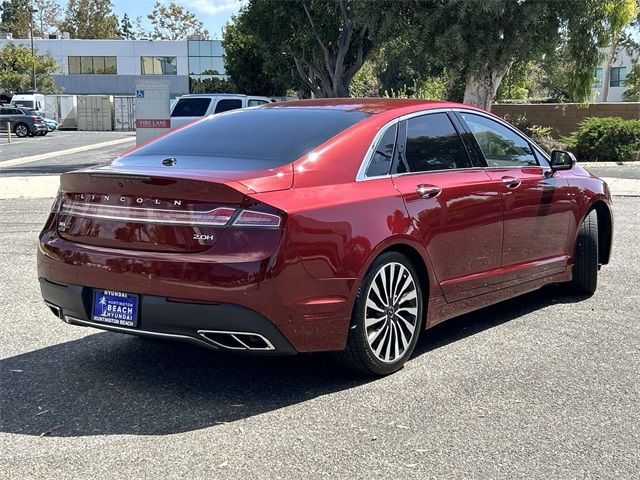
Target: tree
point(173, 22)
point(252, 67)
point(632, 94)
point(126, 28)
point(326, 42)
point(90, 19)
point(47, 19)
point(15, 18)
point(16, 64)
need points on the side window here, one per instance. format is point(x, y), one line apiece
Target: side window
point(4, 111)
point(501, 146)
point(228, 104)
point(433, 144)
point(383, 154)
point(255, 103)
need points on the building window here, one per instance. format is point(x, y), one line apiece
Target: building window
point(206, 66)
point(618, 76)
point(598, 78)
point(93, 65)
point(159, 65)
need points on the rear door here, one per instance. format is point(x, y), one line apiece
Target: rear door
point(456, 207)
point(537, 205)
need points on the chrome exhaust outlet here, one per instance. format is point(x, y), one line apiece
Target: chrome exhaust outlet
point(237, 340)
point(56, 310)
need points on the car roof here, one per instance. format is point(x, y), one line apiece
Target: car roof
point(369, 105)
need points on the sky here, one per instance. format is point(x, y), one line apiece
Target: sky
point(214, 14)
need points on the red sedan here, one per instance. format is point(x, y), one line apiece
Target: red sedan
point(346, 225)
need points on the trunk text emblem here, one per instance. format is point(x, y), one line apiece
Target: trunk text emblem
point(169, 162)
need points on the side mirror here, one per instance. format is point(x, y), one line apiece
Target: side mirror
point(561, 160)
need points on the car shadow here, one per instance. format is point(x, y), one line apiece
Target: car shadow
point(111, 384)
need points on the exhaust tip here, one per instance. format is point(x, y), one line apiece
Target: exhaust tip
point(237, 340)
point(57, 311)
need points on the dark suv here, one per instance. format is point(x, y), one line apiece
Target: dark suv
point(20, 123)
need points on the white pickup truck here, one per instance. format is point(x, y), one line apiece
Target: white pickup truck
point(191, 107)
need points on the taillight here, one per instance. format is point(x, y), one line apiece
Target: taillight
point(36, 118)
point(217, 217)
point(55, 208)
point(251, 218)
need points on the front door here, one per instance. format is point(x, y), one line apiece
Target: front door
point(456, 207)
point(537, 205)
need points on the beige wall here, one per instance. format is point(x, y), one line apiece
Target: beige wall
point(565, 117)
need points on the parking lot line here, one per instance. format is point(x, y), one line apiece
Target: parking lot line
point(60, 153)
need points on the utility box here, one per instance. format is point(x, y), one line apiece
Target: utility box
point(125, 114)
point(95, 113)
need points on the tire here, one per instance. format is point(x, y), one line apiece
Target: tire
point(381, 345)
point(585, 260)
point(21, 130)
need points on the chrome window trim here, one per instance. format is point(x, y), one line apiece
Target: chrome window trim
point(514, 130)
point(361, 176)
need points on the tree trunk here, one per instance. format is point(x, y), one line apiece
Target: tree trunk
point(482, 85)
point(606, 74)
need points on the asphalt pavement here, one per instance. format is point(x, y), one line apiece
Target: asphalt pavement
point(543, 386)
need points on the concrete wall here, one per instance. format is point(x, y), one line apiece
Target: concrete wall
point(116, 84)
point(565, 117)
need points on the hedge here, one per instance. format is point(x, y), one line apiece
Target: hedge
point(606, 139)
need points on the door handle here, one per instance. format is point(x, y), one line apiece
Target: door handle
point(511, 182)
point(428, 191)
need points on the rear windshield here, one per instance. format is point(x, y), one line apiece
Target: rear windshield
point(191, 107)
point(268, 136)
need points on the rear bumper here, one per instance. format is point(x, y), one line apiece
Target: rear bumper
point(183, 293)
point(220, 326)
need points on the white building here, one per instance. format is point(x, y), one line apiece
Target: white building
point(113, 66)
point(620, 68)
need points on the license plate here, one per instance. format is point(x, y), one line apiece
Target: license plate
point(115, 308)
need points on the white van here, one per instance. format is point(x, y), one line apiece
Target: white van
point(194, 106)
point(33, 101)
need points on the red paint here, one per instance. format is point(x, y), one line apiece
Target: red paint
point(480, 241)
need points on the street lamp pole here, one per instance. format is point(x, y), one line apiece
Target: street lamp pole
point(33, 59)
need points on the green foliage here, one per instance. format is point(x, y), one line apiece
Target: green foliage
point(47, 19)
point(210, 85)
point(632, 94)
point(538, 133)
point(365, 83)
point(429, 88)
point(251, 64)
point(15, 18)
point(173, 22)
point(317, 44)
point(16, 66)
point(126, 28)
point(606, 139)
point(90, 19)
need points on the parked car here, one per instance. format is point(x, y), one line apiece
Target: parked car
point(51, 124)
point(33, 101)
point(21, 124)
point(345, 225)
point(189, 108)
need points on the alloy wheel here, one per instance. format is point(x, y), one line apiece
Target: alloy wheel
point(391, 312)
point(22, 131)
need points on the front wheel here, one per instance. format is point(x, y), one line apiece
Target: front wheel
point(387, 317)
point(21, 130)
point(585, 261)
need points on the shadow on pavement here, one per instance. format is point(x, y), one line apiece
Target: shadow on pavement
point(109, 384)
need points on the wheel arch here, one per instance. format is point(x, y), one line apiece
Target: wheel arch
point(605, 229)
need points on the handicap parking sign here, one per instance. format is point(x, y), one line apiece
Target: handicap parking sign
point(139, 93)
